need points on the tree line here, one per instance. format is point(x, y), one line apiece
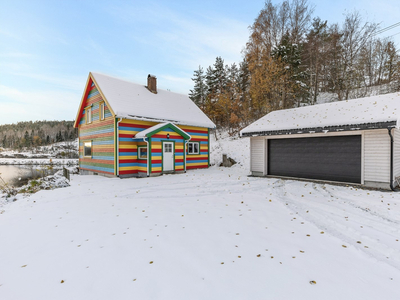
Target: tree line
point(291, 58)
point(33, 134)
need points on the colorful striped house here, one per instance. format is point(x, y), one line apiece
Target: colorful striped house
point(131, 130)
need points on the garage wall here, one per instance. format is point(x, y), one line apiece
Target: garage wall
point(396, 153)
point(377, 156)
point(257, 155)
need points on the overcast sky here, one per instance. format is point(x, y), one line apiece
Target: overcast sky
point(47, 48)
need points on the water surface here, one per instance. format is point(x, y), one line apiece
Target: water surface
point(18, 175)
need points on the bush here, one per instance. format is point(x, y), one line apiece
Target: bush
point(7, 189)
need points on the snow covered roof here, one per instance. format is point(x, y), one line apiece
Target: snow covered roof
point(362, 113)
point(146, 132)
point(135, 101)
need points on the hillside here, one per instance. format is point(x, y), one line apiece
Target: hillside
point(34, 134)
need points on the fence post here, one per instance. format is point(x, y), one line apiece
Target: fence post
point(66, 173)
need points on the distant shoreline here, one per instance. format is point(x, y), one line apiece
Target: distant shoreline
point(39, 161)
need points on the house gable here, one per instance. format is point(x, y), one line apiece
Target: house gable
point(95, 131)
point(91, 95)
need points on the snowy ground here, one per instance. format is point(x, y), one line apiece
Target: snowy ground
point(206, 234)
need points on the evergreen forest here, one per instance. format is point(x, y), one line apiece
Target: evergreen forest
point(33, 134)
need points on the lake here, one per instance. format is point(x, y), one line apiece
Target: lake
point(18, 175)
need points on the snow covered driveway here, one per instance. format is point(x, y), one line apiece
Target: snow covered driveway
point(206, 234)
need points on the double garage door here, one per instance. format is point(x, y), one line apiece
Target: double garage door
point(325, 158)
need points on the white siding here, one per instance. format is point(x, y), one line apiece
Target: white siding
point(257, 154)
point(396, 153)
point(377, 155)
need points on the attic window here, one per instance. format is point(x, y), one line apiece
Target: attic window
point(102, 110)
point(89, 115)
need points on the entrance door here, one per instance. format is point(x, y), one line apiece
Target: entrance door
point(168, 156)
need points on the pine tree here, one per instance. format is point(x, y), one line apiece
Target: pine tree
point(220, 75)
point(25, 142)
point(198, 94)
point(295, 80)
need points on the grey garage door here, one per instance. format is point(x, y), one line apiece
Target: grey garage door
point(326, 158)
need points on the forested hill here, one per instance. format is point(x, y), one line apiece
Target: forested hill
point(294, 58)
point(38, 133)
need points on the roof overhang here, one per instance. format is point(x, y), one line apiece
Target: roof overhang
point(337, 128)
point(149, 132)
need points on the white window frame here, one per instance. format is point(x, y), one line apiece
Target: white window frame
point(91, 148)
point(102, 111)
point(138, 152)
point(89, 115)
point(193, 152)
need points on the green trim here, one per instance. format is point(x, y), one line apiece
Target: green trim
point(184, 155)
point(150, 157)
point(208, 147)
point(138, 147)
point(162, 154)
point(187, 150)
point(170, 126)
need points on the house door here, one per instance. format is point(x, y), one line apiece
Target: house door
point(168, 156)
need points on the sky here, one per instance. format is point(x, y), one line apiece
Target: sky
point(48, 48)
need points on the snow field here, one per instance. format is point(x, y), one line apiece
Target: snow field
point(206, 234)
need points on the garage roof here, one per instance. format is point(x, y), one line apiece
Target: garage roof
point(358, 114)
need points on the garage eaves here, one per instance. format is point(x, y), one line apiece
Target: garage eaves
point(326, 129)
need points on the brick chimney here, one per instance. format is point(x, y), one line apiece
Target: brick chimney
point(152, 83)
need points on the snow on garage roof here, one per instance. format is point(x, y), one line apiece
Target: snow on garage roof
point(135, 101)
point(348, 113)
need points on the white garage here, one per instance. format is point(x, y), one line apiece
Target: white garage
point(352, 141)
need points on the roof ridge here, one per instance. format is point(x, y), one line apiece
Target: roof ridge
point(132, 82)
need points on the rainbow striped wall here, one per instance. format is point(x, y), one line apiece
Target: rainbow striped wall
point(130, 165)
point(201, 135)
point(128, 157)
point(100, 133)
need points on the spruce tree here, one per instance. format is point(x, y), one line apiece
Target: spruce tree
point(198, 94)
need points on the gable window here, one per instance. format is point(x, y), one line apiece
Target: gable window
point(193, 148)
point(87, 149)
point(89, 115)
point(142, 152)
point(102, 110)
